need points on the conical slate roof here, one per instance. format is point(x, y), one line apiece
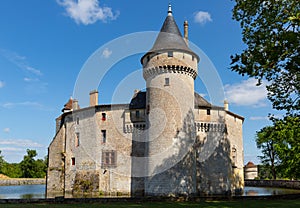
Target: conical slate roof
point(170, 37)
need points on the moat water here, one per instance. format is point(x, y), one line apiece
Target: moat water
point(38, 191)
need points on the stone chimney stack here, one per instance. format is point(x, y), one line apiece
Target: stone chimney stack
point(186, 31)
point(94, 98)
point(75, 105)
point(226, 105)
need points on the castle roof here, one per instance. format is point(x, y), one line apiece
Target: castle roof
point(250, 165)
point(138, 101)
point(201, 102)
point(170, 38)
point(68, 106)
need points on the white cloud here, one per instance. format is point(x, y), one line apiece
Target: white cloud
point(87, 11)
point(20, 143)
point(106, 53)
point(258, 118)
point(6, 130)
point(19, 61)
point(11, 149)
point(202, 17)
point(2, 84)
point(246, 93)
point(33, 70)
point(27, 79)
point(27, 104)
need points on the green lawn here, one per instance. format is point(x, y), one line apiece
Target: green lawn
point(208, 204)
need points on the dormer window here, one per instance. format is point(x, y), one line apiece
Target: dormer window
point(170, 53)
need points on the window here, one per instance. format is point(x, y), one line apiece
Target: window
point(137, 114)
point(73, 160)
point(103, 132)
point(77, 120)
point(77, 141)
point(167, 81)
point(208, 111)
point(103, 116)
point(109, 159)
point(170, 53)
point(193, 58)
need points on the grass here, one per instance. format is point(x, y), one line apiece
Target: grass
point(207, 204)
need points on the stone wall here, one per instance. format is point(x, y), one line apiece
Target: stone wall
point(55, 172)
point(22, 181)
point(273, 183)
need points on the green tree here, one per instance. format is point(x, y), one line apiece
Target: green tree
point(265, 141)
point(2, 162)
point(287, 132)
point(12, 170)
point(270, 30)
point(280, 148)
point(28, 164)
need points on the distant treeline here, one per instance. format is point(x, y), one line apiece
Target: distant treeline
point(27, 168)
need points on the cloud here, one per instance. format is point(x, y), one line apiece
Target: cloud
point(87, 11)
point(258, 118)
point(6, 130)
point(202, 17)
point(106, 53)
point(2, 84)
point(19, 61)
point(33, 70)
point(28, 104)
point(20, 143)
point(27, 79)
point(246, 93)
point(11, 149)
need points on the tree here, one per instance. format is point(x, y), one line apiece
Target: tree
point(28, 164)
point(2, 162)
point(270, 30)
point(280, 147)
point(266, 140)
point(287, 131)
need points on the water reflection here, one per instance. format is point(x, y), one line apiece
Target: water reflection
point(38, 191)
point(261, 191)
point(22, 192)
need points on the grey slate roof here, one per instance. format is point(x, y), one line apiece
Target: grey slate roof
point(139, 101)
point(170, 38)
point(201, 102)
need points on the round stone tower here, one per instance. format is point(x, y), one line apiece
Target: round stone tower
point(170, 69)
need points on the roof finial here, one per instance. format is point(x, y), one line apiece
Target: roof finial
point(170, 9)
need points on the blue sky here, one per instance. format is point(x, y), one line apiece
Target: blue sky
point(44, 45)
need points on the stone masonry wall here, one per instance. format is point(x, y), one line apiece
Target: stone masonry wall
point(55, 173)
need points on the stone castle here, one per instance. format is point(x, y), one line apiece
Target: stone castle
point(167, 141)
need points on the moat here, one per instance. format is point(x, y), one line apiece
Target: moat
point(38, 191)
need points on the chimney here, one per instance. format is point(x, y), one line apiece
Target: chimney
point(186, 31)
point(226, 106)
point(94, 98)
point(75, 105)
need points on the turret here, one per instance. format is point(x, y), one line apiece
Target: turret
point(169, 69)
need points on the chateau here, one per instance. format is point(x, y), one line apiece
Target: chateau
point(167, 141)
